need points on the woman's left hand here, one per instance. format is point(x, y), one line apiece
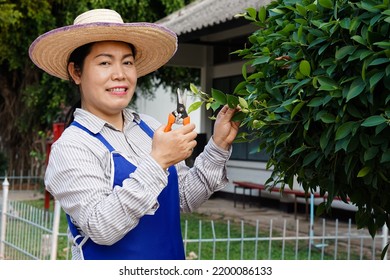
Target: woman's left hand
point(225, 130)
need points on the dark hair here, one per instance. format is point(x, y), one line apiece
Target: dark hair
point(77, 57)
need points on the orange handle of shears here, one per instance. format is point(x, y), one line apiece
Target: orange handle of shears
point(186, 121)
point(171, 121)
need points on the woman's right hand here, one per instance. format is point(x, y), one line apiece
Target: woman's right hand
point(169, 148)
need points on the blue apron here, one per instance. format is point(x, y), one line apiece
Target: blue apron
point(156, 237)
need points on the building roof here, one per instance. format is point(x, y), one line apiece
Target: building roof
point(205, 13)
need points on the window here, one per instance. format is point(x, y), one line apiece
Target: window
point(223, 49)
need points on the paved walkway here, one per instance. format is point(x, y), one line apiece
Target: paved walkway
point(23, 195)
point(219, 208)
point(224, 209)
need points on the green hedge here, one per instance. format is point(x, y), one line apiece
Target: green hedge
point(315, 91)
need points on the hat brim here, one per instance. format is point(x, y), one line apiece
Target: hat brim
point(155, 45)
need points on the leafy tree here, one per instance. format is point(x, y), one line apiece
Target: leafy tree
point(316, 93)
point(30, 100)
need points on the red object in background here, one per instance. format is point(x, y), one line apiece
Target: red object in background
point(58, 128)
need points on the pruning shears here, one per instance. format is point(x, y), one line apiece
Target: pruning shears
point(178, 116)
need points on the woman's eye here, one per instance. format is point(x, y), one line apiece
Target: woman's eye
point(129, 62)
point(104, 63)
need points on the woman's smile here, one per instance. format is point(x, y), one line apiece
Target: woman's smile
point(119, 91)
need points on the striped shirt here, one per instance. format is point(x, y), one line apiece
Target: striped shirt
point(80, 176)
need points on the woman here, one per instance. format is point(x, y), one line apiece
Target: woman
point(119, 177)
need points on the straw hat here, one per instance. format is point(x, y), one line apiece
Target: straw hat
point(154, 44)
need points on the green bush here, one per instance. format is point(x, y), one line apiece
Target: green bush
point(315, 92)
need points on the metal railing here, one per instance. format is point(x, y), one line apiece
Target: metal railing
point(283, 241)
point(19, 181)
point(27, 232)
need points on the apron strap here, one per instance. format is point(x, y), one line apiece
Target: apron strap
point(97, 135)
point(146, 129)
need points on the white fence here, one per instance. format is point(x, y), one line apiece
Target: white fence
point(31, 233)
point(27, 232)
point(19, 181)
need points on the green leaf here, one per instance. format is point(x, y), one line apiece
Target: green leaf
point(283, 138)
point(288, 102)
point(244, 70)
point(376, 78)
point(324, 140)
point(365, 53)
point(344, 51)
point(261, 60)
point(296, 109)
point(383, 45)
point(373, 121)
point(299, 150)
point(379, 61)
point(326, 4)
point(215, 106)
point(379, 128)
point(219, 96)
point(321, 209)
point(328, 118)
point(342, 144)
point(369, 7)
point(277, 11)
point(254, 76)
point(370, 153)
point(193, 88)
point(345, 23)
point(326, 81)
point(310, 158)
point(238, 116)
point(385, 156)
point(323, 48)
point(243, 103)
point(364, 171)
point(195, 106)
point(304, 68)
point(301, 10)
point(317, 41)
point(262, 14)
point(316, 102)
point(290, 81)
point(344, 130)
point(359, 39)
point(327, 88)
point(232, 100)
point(357, 87)
point(252, 13)
point(384, 251)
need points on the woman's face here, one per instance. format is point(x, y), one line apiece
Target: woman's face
point(108, 79)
